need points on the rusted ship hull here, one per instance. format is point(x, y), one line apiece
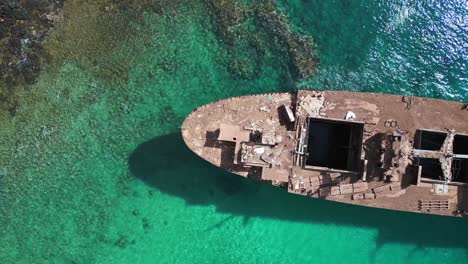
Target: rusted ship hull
point(386, 151)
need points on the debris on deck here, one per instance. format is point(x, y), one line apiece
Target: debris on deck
point(370, 149)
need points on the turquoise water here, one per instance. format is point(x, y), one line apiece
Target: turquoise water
point(413, 47)
point(93, 168)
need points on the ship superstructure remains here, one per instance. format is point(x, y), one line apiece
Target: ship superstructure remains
point(403, 153)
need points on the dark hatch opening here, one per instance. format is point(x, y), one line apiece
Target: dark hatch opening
point(431, 168)
point(430, 140)
point(460, 144)
point(460, 166)
point(334, 144)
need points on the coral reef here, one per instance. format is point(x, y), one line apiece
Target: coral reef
point(23, 26)
point(251, 31)
point(110, 75)
point(301, 49)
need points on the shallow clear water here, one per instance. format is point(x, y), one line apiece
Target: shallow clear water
point(93, 168)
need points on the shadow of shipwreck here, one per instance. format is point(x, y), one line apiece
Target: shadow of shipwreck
point(167, 164)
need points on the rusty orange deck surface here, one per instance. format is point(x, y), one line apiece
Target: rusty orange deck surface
point(382, 116)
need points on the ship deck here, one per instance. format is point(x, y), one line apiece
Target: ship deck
point(253, 136)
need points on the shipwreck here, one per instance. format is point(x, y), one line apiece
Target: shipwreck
point(387, 151)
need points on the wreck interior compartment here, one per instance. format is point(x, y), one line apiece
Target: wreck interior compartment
point(333, 144)
point(431, 168)
point(460, 166)
point(429, 140)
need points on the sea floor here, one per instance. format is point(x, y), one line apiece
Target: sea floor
point(93, 168)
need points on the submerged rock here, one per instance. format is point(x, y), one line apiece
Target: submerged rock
point(251, 31)
point(146, 223)
point(123, 242)
point(23, 26)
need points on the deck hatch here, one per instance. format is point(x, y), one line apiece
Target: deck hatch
point(433, 140)
point(460, 146)
point(333, 144)
point(430, 140)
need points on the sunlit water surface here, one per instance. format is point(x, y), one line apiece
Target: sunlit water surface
point(93, 168)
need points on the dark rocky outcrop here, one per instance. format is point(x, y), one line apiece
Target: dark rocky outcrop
point(23, 26)
point(251, 31)
point(254, 34)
